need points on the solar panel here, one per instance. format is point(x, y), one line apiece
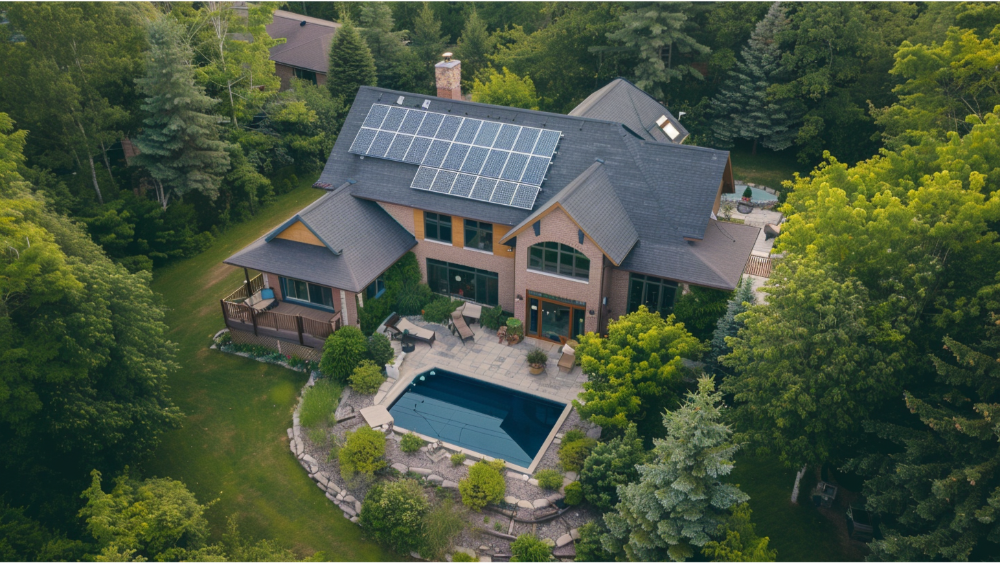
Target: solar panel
point(473, 158)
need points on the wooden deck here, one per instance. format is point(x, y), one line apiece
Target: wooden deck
point(286, 321)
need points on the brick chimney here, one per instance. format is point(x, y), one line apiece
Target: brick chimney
point(448, 75)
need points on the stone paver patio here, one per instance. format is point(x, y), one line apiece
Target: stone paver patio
point(488, 360)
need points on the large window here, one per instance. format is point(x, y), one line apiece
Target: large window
point(437, 227)
point(306, 293)
point(305, 75)
point(456, 280)
point(375, 289)
point(558, 258)
point(479, 235)
point(656, 294)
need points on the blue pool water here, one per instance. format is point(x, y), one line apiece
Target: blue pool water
point(485, 418)
point(758, 194)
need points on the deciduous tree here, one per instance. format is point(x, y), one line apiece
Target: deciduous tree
point(738, 540)
point(505, 89)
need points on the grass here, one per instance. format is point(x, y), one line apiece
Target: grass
point(319, 403)
point(232, 446)
point(766, 168)
point(798, 532)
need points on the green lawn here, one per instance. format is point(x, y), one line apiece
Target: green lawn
point(233, 445)
point(767, 168)
point(798, 532)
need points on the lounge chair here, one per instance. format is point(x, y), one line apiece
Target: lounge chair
point(261, 301)
point(395, 326)
point(458, 325)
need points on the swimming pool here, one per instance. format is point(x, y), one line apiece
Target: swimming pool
point(486, 418)
point(758, 194)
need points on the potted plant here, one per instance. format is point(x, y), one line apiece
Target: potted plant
point(536, 361)
point(747, 194)
point(515, 330)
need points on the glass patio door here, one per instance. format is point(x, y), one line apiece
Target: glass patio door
point(553, 320)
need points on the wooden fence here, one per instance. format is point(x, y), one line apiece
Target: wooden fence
point(287, 348)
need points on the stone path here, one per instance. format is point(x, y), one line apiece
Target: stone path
point(494, 362)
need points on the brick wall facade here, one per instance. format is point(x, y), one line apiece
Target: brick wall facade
point(617, 295)
point(458, 254)
point(557, 227)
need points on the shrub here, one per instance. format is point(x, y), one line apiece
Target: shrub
point(484, 485)
point(700, 309)
point(319, 403)
point(527, 547)
point(393, 514)
point(410, 443)
point(493, 318)
point(537, 356)
point(463, 557)
point(589, 547)
point(549, 479)
point(515, 327)
point(573, 454)
point(363, 452)
point(748, 192)
point(457, 459)
point(611, 465)
point(413, 297)
point(342, 352)
point(380, 350)
point(574, 493)
point(367, 377)
point(440, 308)
point(573, 435)
point(441, 525)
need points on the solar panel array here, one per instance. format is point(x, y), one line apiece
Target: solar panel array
point(461, 156)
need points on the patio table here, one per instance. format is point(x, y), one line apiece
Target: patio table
point(472, 311)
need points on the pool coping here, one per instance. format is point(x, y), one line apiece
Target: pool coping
point(403, 382)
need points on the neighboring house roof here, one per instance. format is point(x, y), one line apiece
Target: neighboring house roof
point(306, 46)
point(667, 190)
point(360, 241)
point(591, 202)
point(623, 102)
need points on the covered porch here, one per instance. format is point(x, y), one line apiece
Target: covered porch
point(285, 321)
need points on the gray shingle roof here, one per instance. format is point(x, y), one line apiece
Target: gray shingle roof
point(306, 46)
point(667, 190)
point(591, 202)
point(623, 102)
point(367, 238)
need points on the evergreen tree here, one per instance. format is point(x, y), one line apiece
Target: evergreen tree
point(474, 48)
point(656, 30)
point(728, 326)
point(940, 497)
point(179, 144)
point(679, 501)
point(351, 64)
point(396, 65)
point(612, 464)
point(428, 44)
point(744, 106)
point(738, 540)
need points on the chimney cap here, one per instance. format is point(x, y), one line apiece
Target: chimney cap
point(447, 56)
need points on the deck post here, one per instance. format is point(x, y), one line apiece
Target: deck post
point(253, 317)
point(225, 315)
point(298, 323)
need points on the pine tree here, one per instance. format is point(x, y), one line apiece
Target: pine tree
point(657, 30)
point(396, 65)
point(351, 64)
point(474, 48)
point(940, 497)
point(727, 325)
point(428, 43)
point(611, 465)
point(678, 502)
point(179, 144)
point(746, 110)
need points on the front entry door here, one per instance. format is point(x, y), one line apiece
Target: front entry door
point(554, 319)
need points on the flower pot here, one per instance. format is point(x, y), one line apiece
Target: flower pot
point(536, 369)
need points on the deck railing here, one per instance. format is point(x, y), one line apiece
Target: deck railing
point(758, 266)
point(305, 330)
point(246, 290)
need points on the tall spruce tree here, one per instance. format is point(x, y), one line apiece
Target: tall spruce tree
point(679, 501)
point(474, 48)
point(396, 65)
point(745, 109)
point(940, 497)
point(351, 64)
point(660, 32)
point(428, 43)
point(728, 326)
point(179, 144)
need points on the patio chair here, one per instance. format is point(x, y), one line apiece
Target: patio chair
point(395, 326)
point(458, 325)
point(261, 301)
point(771, 231)
point(568, 358)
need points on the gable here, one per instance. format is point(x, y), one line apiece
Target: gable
point(298, 232)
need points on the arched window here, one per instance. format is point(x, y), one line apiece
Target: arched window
point(558, 258)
